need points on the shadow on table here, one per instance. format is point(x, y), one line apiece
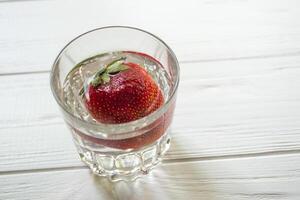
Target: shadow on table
point(170, 180)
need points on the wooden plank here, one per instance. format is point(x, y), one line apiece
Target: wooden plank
point(37, 147)
point(224, 108)
point(33, 32)
point(268, 178)
point(28, 100)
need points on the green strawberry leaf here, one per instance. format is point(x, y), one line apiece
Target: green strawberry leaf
point(117, 69)
point(101, 71)
point(113, 66)
point(81, 92)
point(105, 78)
point(96, 81)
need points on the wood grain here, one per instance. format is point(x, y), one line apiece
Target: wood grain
point(224, 108)
point(236, 127)
point(267, 178)
point(33, 32)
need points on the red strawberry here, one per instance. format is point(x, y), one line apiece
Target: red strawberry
point(122, 92)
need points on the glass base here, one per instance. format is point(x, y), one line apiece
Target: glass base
point(124, 165)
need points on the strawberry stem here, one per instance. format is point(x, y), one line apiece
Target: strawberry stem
point(103, 75)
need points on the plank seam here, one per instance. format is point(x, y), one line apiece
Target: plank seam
point(292, 54)
point(168, 161)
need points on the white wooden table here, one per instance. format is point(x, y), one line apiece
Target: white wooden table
point(236, 132)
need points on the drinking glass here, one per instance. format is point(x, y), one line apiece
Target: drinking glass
point(117, 151)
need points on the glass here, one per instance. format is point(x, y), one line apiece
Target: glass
point(117, 151)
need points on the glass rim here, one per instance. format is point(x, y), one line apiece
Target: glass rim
point(153, 115)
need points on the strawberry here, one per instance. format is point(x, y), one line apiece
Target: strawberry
point(121, 92)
